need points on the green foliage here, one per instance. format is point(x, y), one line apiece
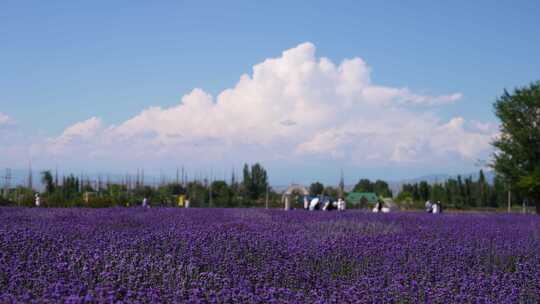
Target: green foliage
point(379, 187)
point(530, 183)
point(316, 188)
point(221, 194)
point(456, 193)
point(255, 181)
point(405, 200)
point(47, 180)
point(517, 159)
point(424, 191)
point(363, 185)
point(331, 191)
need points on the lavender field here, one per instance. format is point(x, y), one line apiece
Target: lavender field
point(266, 256)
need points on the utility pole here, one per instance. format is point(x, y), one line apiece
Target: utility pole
point(30, 176)
point(210, 201)
point(7, 182)
point(509, 200)
point(183, 177)
point(99, 184)
point(266, 196)
point(341, 190)
point(137, 179)
point(56, 177)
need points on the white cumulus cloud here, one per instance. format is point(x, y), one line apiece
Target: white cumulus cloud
point(295, 106)
point(5, 119)
point(80, 135)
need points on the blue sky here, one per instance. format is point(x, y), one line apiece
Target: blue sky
point(63, 62)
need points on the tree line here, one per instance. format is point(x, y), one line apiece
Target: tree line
point(458, 193)
point(252, 190)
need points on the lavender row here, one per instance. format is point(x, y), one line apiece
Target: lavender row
point(266, 256)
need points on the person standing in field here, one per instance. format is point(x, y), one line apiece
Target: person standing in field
point(429, 207)
point(439, 207)
point(145, 202)
point(38, 200)
point(380, 207)
point(314, 204)
point(435, 208)
point(341, 204)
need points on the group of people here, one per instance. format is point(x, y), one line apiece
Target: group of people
point(316, 203)
point(323, 203)
point(380, 207)
point(433, 207)
point(181, 203)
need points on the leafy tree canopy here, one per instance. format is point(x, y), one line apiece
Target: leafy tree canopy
point(517, 158)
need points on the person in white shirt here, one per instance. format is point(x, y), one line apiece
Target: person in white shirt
point(325, 206)
point(341, 204)
point(145, 202)
point(378, 207)
point(436, 207)
point(38, 200)
point(429, 207)
point(306, 203)
point(314, 204)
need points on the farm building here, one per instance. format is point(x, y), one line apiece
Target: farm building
point(361, 199)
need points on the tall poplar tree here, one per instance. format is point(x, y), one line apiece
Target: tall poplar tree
point(517, 156)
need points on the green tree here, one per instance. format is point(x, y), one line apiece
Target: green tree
point(381, 188)
point(498, 193)
point(176, 189)
point(255, 181)
point(259, 179)
point(316, 188)
point(438, 193)
point(424, 190)
point(197, 193)
point(483, 190)
point(517, 158)
point(454, 192)
point(363, 185)
point(469, 185)
point(48, 180)
point(221, 194)
point(332, 192)
point(246, 181)
point(411, 189)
